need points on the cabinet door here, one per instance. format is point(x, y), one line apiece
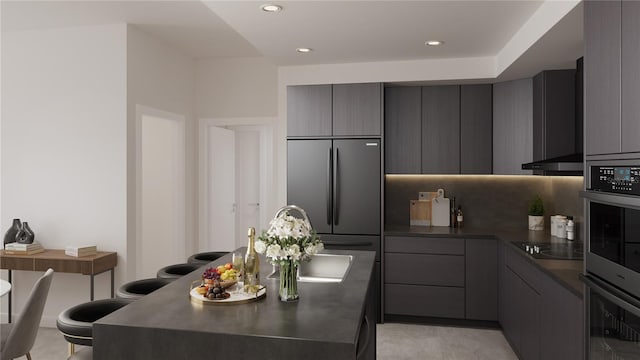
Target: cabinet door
point(561, 325)
point(441, 129)
point(356, 188)
point(481, 282)
point(475, 129)
point(357, 109)
point(309, 181)
point(309, 110)
point(602, 46)
point(402, 130)
point(512, 126)
point(630, 76)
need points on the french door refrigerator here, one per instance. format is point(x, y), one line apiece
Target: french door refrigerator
point(337, 182)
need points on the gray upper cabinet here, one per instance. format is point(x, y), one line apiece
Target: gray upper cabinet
point(441, 129)
point(476, 129)
point(357, 109)
point(554, 114)
point(309, 110)
point(402, 129)
point(602, 70)
point(630, 76)
point(512, 126)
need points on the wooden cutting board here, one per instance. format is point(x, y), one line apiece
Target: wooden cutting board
point(419, 213)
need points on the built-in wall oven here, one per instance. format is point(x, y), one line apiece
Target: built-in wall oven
point(612, 259)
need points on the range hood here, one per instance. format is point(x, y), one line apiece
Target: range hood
point(561, 165)
point(572, 163)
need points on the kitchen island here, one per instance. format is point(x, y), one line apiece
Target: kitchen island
point(330, 320)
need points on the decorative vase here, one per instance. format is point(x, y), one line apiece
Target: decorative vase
point(25, 235)
point(10, 235)
point(536, 222)
point(288, 290)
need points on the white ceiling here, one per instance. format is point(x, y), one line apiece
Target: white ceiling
point(338, 31)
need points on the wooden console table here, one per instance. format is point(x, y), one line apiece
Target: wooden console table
point(56, 259)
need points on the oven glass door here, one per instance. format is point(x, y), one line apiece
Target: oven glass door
point(614, 234)
point(614, 326)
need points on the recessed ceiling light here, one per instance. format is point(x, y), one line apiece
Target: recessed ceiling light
point(304, 50)
point(271, 8)
point(434, 42)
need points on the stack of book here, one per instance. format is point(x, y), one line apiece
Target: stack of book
point(23, 249)
point(80, 251)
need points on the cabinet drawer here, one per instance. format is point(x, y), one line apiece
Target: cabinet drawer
point(435, 301)
point(424, 245)
point(421, 269)
point(521, 267)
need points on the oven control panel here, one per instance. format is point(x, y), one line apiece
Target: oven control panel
point(616, 179)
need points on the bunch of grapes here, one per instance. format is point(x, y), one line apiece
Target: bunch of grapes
point(211, 273)
point(217, 292)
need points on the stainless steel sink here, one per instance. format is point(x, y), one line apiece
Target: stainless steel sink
point(327, 268)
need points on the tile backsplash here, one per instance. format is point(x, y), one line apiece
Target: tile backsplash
point(487, 200)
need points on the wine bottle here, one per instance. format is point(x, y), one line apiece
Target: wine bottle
point(459, 217)
point(251, 261)
point(452, 221)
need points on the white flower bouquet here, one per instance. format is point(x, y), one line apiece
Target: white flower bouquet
point(289, 239)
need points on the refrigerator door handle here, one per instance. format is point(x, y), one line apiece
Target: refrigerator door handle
point(329, 166)
point(336, 189)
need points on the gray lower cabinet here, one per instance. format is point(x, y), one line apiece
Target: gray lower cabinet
point(441, 129)
point(512, 126)
point(481, 273)
point(403, 130)
point(357, 109)
point(476, 129)
point(441, 277)
point(541, 319)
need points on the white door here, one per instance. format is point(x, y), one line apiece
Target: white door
point(221, 189)
point(161, 211)
point(248, 182)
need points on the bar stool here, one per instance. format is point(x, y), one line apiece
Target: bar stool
point(204, 258)
point(136, 289)
point(76, 323)
point(177, 270)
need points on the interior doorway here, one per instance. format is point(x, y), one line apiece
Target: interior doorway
point(237, 163)
point(160, 210)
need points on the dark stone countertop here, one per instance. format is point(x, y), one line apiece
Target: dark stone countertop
point(564, 272)
point(326, 318)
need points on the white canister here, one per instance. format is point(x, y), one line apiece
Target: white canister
point(561, 228)
point(554, 224)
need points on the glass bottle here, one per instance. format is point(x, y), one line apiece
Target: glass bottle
point(251, 263)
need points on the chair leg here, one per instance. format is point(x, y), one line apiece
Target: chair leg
point(72, 348)
point(28, 356)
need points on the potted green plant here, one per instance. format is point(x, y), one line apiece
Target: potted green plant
point(536, 214)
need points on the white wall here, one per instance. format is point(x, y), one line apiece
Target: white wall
point(64, 149)
point(160, 77)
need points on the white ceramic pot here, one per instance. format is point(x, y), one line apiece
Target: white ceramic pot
point(536, 222)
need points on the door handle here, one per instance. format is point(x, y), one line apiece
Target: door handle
point(329, 165)
point(336, 189)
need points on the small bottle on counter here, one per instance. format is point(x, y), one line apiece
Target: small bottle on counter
point(459, 217)
point(452, 221)
point(571, 228)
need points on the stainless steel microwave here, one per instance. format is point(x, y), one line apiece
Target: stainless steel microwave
point(612, 246)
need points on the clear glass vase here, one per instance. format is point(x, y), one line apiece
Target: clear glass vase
point(288, 290)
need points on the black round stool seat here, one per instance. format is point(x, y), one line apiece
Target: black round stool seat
point(177, 270)
point(136, 289)
point(204, 258)
point(76, 322)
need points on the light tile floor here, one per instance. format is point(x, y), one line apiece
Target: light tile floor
point(394, 342)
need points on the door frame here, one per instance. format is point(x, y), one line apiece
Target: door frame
point(265, 126)
point(179, 195)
